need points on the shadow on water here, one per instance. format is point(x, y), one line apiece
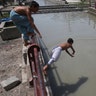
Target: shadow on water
point(63, 89)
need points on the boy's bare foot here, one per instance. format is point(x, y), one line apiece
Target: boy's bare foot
point(45, 73)
point(31, 82)
point(28, 43)
point(44, 69)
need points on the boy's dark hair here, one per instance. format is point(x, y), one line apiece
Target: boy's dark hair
point(34, 3)
point(70, 40)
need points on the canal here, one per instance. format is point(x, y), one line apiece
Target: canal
point(71, 76)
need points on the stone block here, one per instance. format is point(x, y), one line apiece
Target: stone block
point(10, 83)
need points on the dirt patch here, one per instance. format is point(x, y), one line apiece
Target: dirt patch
point(10, 61)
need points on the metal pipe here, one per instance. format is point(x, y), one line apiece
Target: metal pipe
point(38, 80)
point(34, 79)
point(40, 77)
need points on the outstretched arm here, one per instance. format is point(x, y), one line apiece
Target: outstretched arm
point(73, 50)
point(71, 54)
point(32, 22)
point(37, 30)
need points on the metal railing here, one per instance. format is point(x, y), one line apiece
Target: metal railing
point(37, 76)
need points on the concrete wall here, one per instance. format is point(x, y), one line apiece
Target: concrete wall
point(9, 31)
point(92, 10)
point(74, 1)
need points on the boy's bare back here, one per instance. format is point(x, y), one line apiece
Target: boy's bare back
point(65, 46)
point(22, 10)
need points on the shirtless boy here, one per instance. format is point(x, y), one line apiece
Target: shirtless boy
point(21, 16)
point(57, 51)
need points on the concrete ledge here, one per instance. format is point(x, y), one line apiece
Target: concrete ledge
point(92, 11)
point(9, 31)
point(2, 25)
point(10, 83)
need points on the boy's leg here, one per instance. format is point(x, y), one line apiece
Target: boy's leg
point(26, 42)
point(55, 56)
point(31, 36)
point(47, 65)
point(25, 39)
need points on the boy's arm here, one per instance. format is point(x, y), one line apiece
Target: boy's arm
point(73, 50)
point(69, 53)
point(32, 23)
point(37, 31)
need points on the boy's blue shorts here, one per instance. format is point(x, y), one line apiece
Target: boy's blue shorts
point(21, 23)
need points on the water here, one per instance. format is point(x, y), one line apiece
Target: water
point(71, 76)
point(59, 26)
point(44, 2)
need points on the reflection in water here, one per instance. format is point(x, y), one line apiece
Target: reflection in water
point(92, 20)
point(66, 24)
